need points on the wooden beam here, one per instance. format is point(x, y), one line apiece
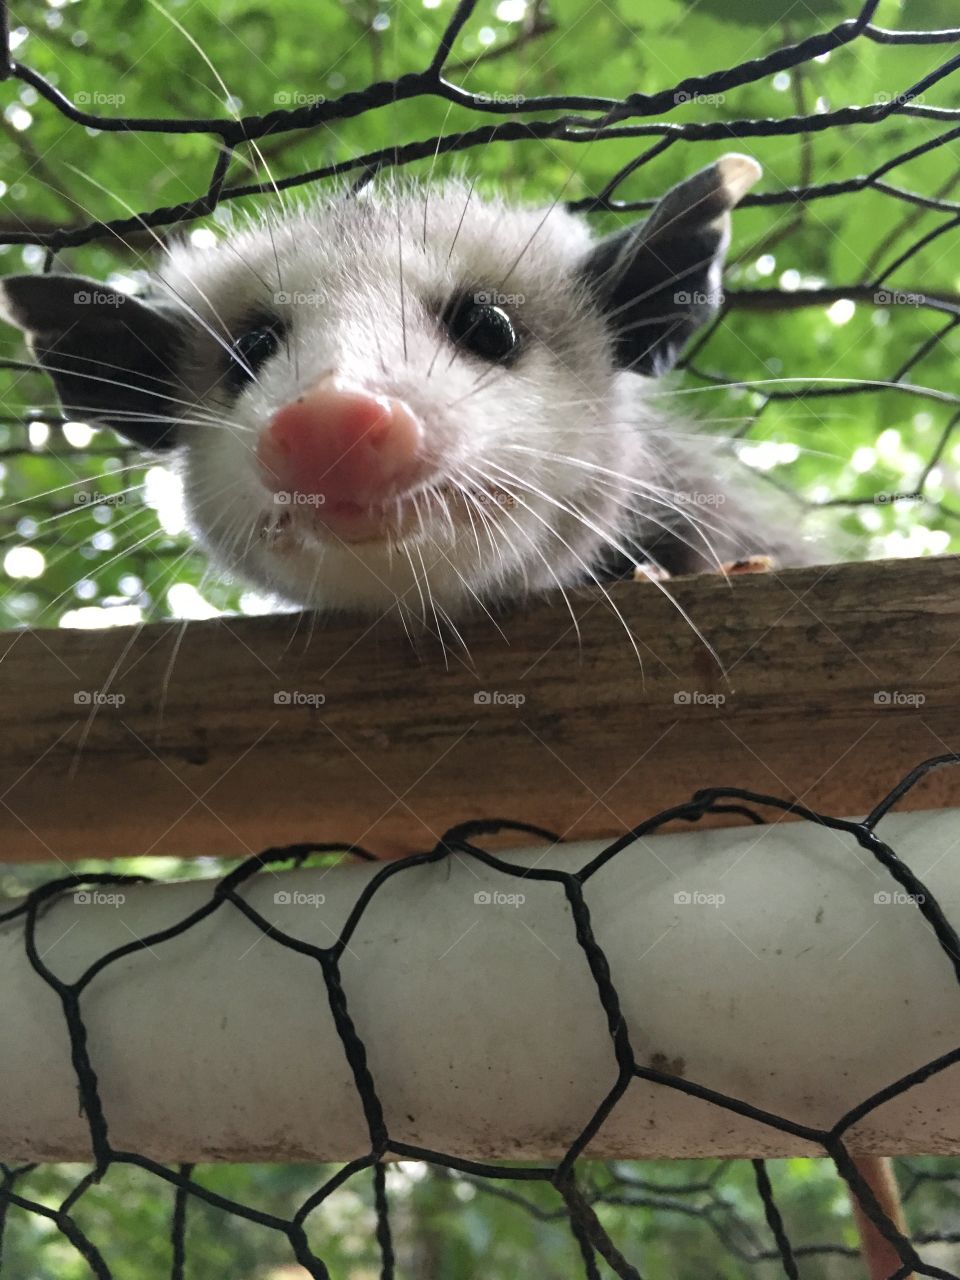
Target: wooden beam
point(225, 737)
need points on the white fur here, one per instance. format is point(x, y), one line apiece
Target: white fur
point(335, 271)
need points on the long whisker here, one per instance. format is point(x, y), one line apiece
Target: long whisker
point(582, 158)
point(236, 115)
point(590, 573)
point(404, 547)
point(620, 482)
point(75, 509)
point(113, 526)
point(403, 296)
point(161, 280)
point(115, 669)
point(558, 503)
point(432, 603)
point(457, 635)
point(540, 556)
point(453, 242)
point(473, 593)
point(115, 382)
point(489, 527)
point(124, 551)
point(750, 384)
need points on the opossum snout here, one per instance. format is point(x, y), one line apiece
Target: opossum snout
point(344, 451)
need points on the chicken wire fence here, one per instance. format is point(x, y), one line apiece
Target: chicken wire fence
point(581, 1188)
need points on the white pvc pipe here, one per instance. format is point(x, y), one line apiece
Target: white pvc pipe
point(783, 982)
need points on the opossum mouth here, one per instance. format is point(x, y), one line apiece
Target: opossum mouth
point(422, 513)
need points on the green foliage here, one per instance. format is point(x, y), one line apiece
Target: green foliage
point(153, 59)
point(446, 1227)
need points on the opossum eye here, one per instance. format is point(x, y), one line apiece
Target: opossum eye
point(252, 349)
point(482, 327)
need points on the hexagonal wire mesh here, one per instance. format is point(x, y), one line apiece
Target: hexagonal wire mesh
point(581, 1191)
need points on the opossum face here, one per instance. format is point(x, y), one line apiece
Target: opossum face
point(411, 395)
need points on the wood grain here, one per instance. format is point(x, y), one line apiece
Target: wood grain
point(206, 757)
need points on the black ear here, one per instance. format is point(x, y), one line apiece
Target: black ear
point(112, 357)
point(659, 281)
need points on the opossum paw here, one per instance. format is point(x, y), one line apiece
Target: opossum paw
point(750, 564)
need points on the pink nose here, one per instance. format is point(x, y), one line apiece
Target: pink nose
point(342, 447)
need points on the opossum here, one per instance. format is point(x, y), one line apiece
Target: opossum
point(418, 389)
